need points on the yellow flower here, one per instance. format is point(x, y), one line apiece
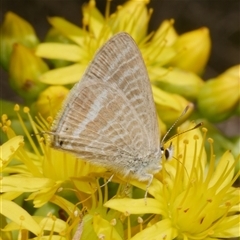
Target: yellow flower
point(191, 200)
point(219, 98)
point(157, 51)
point(50, 101)
point(44, 176)
point(169, 106)
point(9, 149)
point(178, 81)
point(87, 43)
point(24, 70)
point(15, 30)
point(193, 50)
point(54, 35)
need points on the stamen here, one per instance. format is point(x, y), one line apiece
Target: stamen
point(140, 221)
point(107, 10)
point(16, 108)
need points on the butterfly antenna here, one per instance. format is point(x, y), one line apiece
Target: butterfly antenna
point(174, 124)
point(196, 126)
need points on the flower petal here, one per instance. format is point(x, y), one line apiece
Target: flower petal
point(103, 227)
point(225, 163)
point(15, 213)
point(228, 228)
point(44, 195)
point(8, 149)
point(131, 17)
point(161, 230)
point(169, 106)
point(135, 206)
point(187, 85)
point(24, 184)
point(94, 18)
point(65, 75)
point(194, 49)
point(166, 31)
point(64, 204)
point(62, 51)
point(68, 29)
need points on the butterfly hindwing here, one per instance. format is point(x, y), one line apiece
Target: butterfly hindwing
point(110, 113)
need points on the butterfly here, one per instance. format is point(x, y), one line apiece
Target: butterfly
point(109, 117)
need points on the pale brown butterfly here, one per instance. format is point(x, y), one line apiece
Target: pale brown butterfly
point(109, 117)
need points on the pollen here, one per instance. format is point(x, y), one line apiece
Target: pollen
point(12, 149)
point(16, 108)
point(92, 4)
point(4, 118)
point(164, 237)
point(5, 129)
point(195, 137)
point(101, 236)
point(211, 232)
point(228, 204)
point(127, 213)
point(8, 122)
point(113, 222)
point(140, 220)
point(26, 110)
point(186, 210)
point(210, 140)
point(50, 119)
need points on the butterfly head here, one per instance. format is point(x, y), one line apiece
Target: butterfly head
point(168, 152)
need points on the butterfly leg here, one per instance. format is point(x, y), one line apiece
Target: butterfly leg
point(150, 176)
point(108, 181)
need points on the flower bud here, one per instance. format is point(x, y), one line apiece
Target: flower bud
point(50, 100)
point(193, 50)
point(184, 83)
point(219, 98)
point(24, 71)
point(159, 51)
point(169, 106)
point(131, 17)
point(167, 32)
point(55, 36)
point(15, 30)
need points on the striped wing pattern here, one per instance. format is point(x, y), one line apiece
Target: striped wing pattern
point(109, 117)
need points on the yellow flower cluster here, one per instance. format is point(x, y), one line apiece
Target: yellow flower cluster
point(47, 194)
point(190, 198)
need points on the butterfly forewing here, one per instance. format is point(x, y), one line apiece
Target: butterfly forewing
point(110, 114)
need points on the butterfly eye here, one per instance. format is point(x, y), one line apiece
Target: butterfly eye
point(168, 152)
point(61, 142)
